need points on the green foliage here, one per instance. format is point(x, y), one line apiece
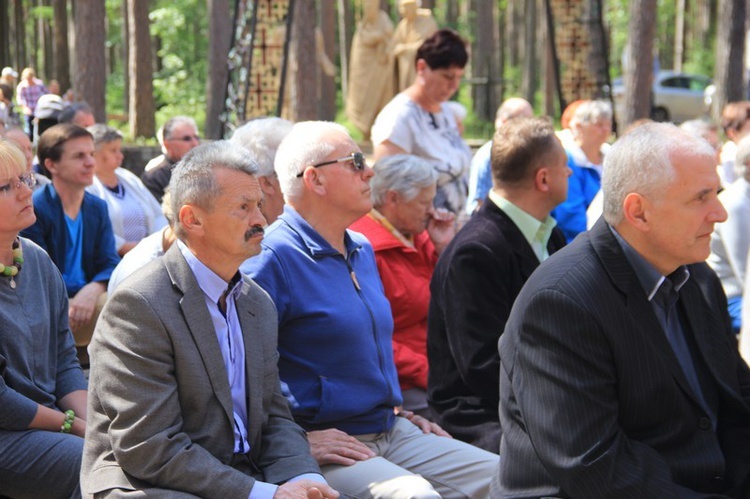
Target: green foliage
point(179, 32)
point(42, 12)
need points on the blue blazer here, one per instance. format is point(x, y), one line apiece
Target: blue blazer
point(98, 257)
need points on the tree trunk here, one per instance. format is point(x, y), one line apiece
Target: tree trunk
point(730, 54)
point(679, 36)
point(530, 64)
point(20, 31)
point(5, 58)
point(125, 56)
point(90, 61)
point(639, 61)
point(327, 102)
point(501, 53)
point(451, 13)
point(141, 110)
point(46, 42)
point(484, 59)
point(513, 22)
point(597, 60)
point(304, 88)
point(61, 51)
point(219, 43)
point(550, 78)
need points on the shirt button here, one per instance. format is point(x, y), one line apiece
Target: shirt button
point(704, 423)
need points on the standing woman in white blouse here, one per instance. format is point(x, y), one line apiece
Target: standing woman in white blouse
point(133, 211)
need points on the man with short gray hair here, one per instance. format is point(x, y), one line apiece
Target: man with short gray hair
point(184, 395)
point(619, 371)
point(177, 136)
point(335, 332)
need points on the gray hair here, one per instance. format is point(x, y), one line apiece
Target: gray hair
point(742, 158)
point(402, 173)
point(699, 127)
point(262, 137)
point(194, 177)
point(511, 108)
point(593, 111)
point(103, 134)
point(166, 206)
point(70, 111)
point(308, 143)
point(641, 162)
point(166, 130)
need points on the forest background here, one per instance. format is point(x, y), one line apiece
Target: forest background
point(138, 62)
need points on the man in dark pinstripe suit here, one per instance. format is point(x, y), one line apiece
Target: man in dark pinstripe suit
point(620, 376)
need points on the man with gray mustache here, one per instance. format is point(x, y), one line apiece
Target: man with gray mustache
point(185, 396)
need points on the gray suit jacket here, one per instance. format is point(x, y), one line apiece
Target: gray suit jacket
point(593, 401)
point(160, 407)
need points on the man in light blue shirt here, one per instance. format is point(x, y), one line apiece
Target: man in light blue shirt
point(480, 172)
point(184, 387)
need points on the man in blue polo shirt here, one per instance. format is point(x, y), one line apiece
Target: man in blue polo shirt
point(335, 329)
point(73, 226)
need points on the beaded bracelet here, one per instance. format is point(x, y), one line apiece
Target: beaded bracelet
point(67, 425)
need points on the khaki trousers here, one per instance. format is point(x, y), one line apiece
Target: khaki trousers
point(410, 464)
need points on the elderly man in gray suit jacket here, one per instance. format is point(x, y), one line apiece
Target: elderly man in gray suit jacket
point(619, 372)
point(184, 389)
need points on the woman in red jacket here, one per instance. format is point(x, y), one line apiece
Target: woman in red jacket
point(407, 234)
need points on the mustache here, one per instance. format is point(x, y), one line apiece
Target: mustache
point(254, 231)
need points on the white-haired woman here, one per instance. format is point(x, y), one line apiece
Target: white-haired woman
point(590, 126)
point(407, 234)
point(42, 388)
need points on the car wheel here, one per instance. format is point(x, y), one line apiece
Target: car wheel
point(659, 114)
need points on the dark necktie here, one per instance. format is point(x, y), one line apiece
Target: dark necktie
point(667, 299)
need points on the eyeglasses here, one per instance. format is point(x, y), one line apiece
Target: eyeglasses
point(356, 158)
point(187, 138)
point(27, 179)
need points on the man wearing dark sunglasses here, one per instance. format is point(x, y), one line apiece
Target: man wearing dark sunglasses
point(177, 137)
point(335, 333)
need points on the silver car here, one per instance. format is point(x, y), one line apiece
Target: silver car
point(678, 97)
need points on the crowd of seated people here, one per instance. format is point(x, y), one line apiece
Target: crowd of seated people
point(275, 316)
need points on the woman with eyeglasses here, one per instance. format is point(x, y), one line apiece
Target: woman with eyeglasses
point(42, 387)
point(419, 120)
point(133, 211)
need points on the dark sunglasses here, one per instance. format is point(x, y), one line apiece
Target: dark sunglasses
point(356, 158)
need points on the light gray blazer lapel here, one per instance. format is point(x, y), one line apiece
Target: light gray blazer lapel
point(254, 361)
point(199, 325)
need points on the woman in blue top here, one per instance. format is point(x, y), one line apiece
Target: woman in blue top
point(42, 388)
point(591, 126)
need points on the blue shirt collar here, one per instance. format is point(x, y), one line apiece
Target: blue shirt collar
point(210, 282)
point(648, 276)
point(313, 241)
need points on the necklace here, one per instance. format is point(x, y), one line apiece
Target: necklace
point(13, 270)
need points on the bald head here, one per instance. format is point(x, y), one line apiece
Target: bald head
point(515, 107)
